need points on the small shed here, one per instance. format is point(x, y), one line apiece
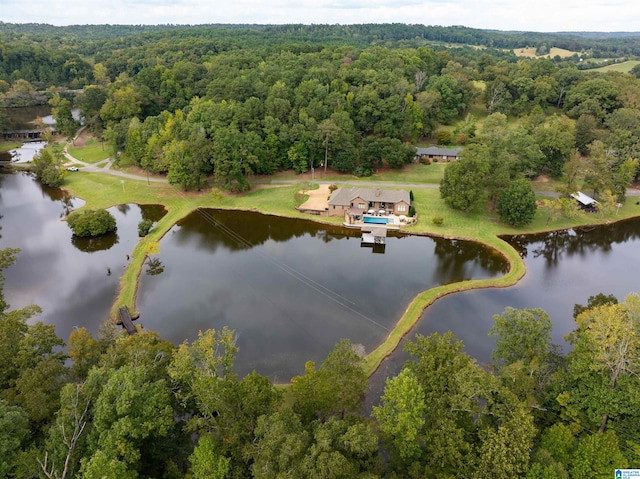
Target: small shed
point(586, 202)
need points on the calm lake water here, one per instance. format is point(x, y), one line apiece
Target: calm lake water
point(563, 269)
point(23, 119)
point(67, 277)
point(292, 288)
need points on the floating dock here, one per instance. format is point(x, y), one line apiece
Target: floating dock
point(374, 236)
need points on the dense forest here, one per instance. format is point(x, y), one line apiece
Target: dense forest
point(228, 102)
point(236, 101)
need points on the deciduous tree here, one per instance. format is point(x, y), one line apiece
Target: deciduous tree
point(517, 203)
point(463, 184)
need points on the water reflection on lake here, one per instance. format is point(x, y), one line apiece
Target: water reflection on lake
point(292, 288)
point(25, 153)
point(68, 277)
point(563, 268)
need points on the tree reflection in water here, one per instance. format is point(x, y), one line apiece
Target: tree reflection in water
point(154, 267)
point(96, 243)
point(580, 242)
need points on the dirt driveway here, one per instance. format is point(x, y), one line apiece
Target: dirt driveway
point(318, 199)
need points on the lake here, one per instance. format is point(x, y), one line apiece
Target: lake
point(563, 268)
point(23, 119)
point(74, 280)
point(292, 288)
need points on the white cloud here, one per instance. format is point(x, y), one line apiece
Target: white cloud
point(532, 15)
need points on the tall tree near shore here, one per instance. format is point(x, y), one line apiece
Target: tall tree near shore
point(336, 389)
point(606, 357)
point(517, 203)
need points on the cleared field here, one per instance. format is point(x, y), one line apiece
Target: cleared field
point(624, 67)
point(530, 52)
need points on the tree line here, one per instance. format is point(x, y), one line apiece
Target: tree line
point(114, 406)
point(182, 102)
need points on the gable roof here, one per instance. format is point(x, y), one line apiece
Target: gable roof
point(583, 199)
point(344, 196)
point(434, 150)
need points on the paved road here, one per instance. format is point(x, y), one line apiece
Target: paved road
point(106, 169)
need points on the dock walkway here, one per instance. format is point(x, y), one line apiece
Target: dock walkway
point(127, 321)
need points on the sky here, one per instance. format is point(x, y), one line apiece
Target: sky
point(528, 15)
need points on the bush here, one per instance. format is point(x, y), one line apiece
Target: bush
point(412, 211)
point(444, 137)
point(361, 171)
point(144, 227)
point(85, 223)
point(461, 138)
point(438, 220)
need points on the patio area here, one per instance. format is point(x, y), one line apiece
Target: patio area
point(358, 219)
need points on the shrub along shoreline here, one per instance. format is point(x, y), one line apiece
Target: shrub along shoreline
point(104, 191)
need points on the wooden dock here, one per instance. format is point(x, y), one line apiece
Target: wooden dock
point(375, 235)
point(127, 321)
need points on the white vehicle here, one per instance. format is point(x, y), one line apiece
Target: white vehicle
point(72, 168)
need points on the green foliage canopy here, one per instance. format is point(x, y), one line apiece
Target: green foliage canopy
point(88, 222)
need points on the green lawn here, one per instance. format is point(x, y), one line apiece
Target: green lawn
point(92, 152)
point(9, 145)
point(411, 174)
point(624, 67)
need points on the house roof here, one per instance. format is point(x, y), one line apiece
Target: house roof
point(344, 196)
point(583, 199)
point(434, 150)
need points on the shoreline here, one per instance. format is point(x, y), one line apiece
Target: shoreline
point(180, 205)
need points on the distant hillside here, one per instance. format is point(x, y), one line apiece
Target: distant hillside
point(613, 44)
point(602, 35)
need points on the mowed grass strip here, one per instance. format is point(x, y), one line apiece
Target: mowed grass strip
point(92, 152)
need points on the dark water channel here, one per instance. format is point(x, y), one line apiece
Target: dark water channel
point(67, 277)
point(563, 268)
point(292, 288)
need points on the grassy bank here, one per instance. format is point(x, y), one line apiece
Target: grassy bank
point(103, 191)
point(92, 152)
point(9, 145)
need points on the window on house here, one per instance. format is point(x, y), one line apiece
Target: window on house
point(402, 208)
point(362, 206)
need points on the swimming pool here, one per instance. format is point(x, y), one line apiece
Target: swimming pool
point(374, 220)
